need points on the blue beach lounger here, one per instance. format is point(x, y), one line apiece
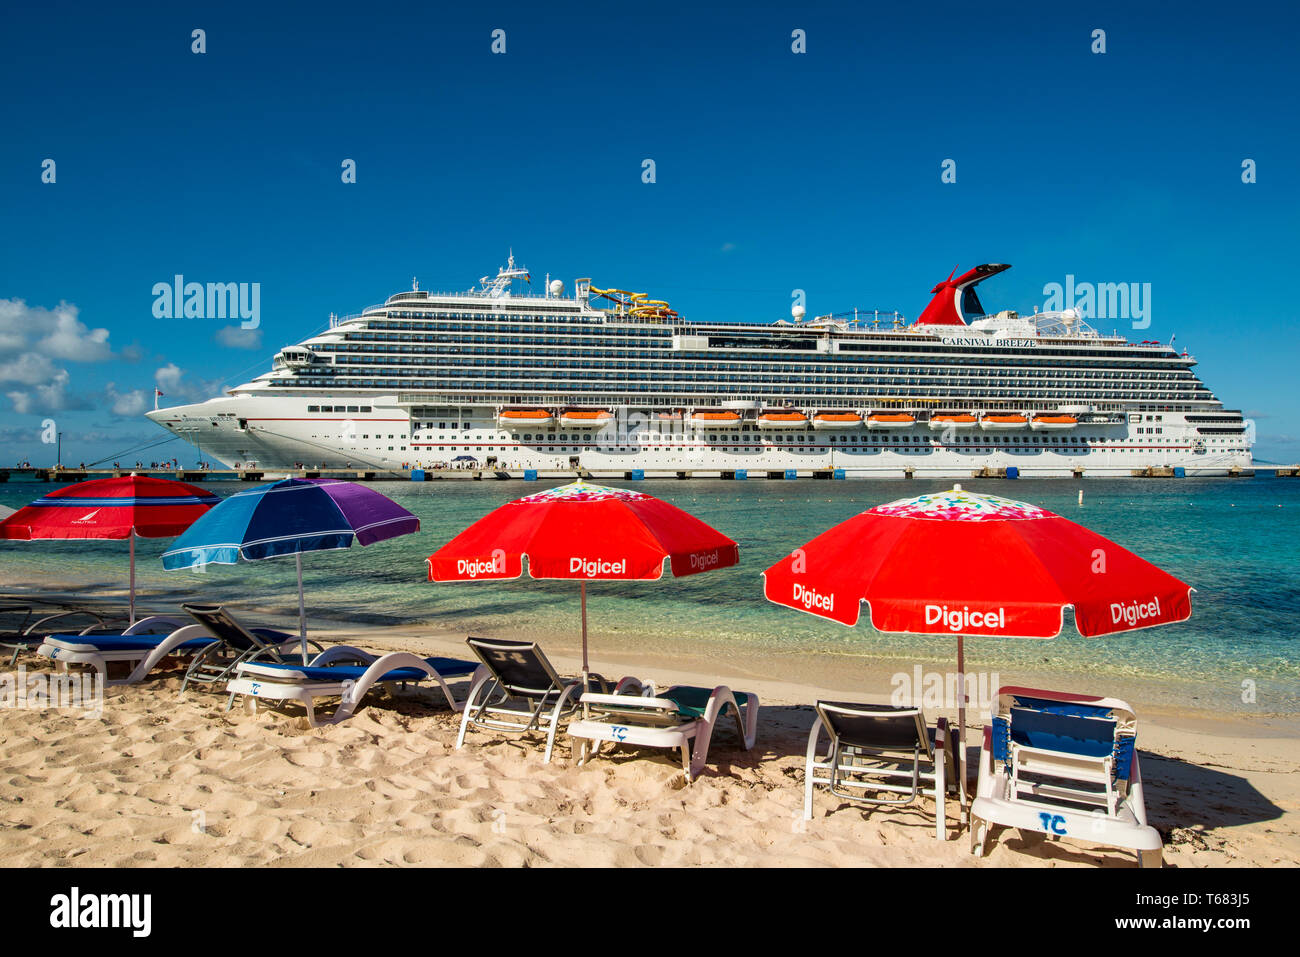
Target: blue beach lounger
point(1065, 765)
point(150, 640)
point(142, 646)
point(25, 627)
point(345, 673)
point(680, 718)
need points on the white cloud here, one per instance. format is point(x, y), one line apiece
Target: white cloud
point(47, 397)
point(126, 404)
point(173, 384)
point(29, 369)
point(234, 337)
point(56, 333)
point(31, 339)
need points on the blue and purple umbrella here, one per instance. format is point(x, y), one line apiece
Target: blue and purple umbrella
point(290, 517)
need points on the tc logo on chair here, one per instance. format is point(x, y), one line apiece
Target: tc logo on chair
point(1052, 823)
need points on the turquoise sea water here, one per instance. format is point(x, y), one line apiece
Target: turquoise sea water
point(1236, 541)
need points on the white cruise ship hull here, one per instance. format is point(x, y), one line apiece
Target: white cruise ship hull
point(275, 433)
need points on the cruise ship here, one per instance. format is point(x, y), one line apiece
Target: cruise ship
point(612, 382)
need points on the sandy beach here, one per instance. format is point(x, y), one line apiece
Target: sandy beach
point(157, 780)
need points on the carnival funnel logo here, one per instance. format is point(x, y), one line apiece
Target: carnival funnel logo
point(591, 567)
point(963, 619)
point(810, 598)
point(1134, 612)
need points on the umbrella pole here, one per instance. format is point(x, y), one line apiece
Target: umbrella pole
point(132, 599)
point(302, 611)
point(584, 636)
point(961, 707)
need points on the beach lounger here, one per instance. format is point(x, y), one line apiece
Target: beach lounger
point(234, 644)
point(1065, 765)
point(884, 750)
point(345, 673)
point(518, 691)
point(674, 719)
point(25, 627)
point(142, 646)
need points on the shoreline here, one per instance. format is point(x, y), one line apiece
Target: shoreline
point(805, 676)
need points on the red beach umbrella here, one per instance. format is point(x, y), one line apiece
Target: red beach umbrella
point(584, 532)
point(958, 563)
point(113, 508)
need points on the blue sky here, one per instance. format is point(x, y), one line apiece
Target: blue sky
point(774, 171)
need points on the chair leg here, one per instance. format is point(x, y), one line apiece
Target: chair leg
point(311, 712)
point(809, 769)
point(940, 792)
point(481, 687)
point(555, 720)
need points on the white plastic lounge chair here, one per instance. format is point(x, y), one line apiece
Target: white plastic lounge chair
point(638, 715)
point(26, 627)
point(883, 750)
point(142, 646)
point(1064, 765)
point(345, 673)
point(234, 644)
point(518, 691)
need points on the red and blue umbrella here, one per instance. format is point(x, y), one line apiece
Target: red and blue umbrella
point(290, 517)
point(116, 508)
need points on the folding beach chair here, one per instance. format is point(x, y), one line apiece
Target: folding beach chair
point(234, 644)
point(345, 673)
point(883, 750)
point(142, 646)
point(637, 715)
point(518, 691)
point(1064, 765)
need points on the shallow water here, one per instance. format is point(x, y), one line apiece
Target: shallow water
point(1235, 541)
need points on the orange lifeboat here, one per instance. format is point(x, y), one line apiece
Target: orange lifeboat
point(942, 422)
point(714, 418)
point(890, 420)
point(782, 419)
point(524, 418)
point(1052, 423)
point(832, 421)
point(1003, 423)
point(578, 418)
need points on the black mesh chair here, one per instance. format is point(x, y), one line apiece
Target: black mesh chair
point(883, 755)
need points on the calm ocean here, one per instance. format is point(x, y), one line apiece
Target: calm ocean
point(1235, 541)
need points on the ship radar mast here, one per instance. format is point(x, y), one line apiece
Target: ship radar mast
point(499, 286)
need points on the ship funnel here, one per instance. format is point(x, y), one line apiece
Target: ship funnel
point(955, 300)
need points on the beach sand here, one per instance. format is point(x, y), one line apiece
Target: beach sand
point(157, 780)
